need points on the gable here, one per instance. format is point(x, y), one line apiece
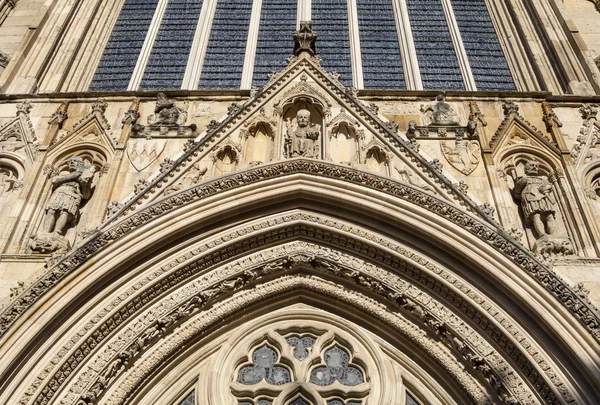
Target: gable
point(349, 133)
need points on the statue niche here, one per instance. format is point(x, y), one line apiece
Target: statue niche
point(539, 208)
point(344, 141)
point(226, 160)
point(302, 137)
point(70, 191)
point(258, 144)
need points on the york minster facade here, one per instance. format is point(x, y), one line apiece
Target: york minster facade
point(299, 202)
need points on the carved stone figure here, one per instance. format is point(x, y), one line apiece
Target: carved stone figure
point(537, 202)
point(193, 176)
point(8, 181)
point(539, 209)
point(441, 112)
point(166, 112)
point(303, 140)
point(63, 208)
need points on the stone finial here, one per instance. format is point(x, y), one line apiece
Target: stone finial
point(550, 118)
point(305, 39)
point(510, 108)
point(100, 106)
point(60, 115)
point(588, 112)
point(133, 114)
point(24, 107)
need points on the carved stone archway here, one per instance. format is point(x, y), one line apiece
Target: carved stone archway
point(448, 254)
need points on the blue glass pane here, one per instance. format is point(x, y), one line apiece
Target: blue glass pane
point(224, 60)
point(171, 50)
point(190, 399)
point(275, 38)
point(437, 59)
point(124, 45)
point(486, 58)
point(381, 59)
point(330, 20)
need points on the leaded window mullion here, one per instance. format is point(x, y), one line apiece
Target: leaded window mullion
point(412, 74)
point(355, 52)
point(248, 70)
point(461, 53)
point(193, 71)
point(142, 61)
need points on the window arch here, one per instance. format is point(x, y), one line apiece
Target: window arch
point(232, 45)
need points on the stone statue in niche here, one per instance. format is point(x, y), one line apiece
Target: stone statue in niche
point(69, 192)
point(303, 141)
point(440, 112)
point(537, 202)
point(539, 210)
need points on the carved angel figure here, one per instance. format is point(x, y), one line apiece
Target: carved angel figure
point(69, 191)
point(442, 113)
point(166, 112)
point(535, 193)
point(303, 140)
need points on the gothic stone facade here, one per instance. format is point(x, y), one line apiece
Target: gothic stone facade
point(303, 242)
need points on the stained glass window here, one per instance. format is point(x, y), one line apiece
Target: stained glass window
point(380, 48)
point(190, 399)
point(435, 52)
point(275, 38)
point(301, 344)
point(410, 400)
point(381, 60)
point(299, 401)
point(264, 368)
point(261, 401)
point(330, 21)
point(124, 46)
point(226, 50)
point(336, 368)
point(171, 49)
point(486, 57)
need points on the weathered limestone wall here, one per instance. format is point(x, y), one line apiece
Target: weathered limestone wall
point(37, 139)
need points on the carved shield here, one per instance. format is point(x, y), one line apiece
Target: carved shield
point(142, 153)
point(464, 155)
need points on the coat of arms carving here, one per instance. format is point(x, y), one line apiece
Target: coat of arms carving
point(464, 155)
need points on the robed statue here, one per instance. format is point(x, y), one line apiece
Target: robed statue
point(304, 140)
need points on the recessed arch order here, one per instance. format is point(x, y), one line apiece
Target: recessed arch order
point(448, 290)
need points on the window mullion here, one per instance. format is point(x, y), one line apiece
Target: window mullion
point(304, 12)
point(140, 66)
point(355, 52)
point(461, 53)
point(250, 58)
point(412, 74)
point(191, 78)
